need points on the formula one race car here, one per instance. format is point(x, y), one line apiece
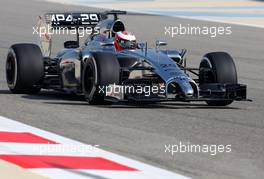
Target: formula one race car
point(111, 66)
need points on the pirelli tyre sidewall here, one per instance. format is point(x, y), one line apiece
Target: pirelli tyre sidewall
point(99, 71)
point(24, 68)
point(218, 67)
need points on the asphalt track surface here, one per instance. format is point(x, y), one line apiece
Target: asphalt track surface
point(142, 131)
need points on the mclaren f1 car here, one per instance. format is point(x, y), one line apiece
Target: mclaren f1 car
point(101, 73)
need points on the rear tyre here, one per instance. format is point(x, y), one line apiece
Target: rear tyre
point(24, 68)
point(217, 67)
point(99, 71)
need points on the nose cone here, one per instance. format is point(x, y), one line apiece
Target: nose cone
point(187, 89)
point(182, 87)
point(189, 93)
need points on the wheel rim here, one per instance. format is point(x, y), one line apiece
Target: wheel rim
point(89, 78)
point(11, 71)
point(206, 72)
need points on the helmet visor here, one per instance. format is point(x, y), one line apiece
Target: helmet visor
point(126, 44)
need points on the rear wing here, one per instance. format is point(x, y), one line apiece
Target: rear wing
point(79, 19)
point(68, 20)
point(72, 20)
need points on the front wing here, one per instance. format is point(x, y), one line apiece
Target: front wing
point(207, 92)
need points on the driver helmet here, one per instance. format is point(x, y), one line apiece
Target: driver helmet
point(125, 40)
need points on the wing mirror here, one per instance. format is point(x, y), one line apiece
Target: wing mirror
point(141, 45)
point(159, 44)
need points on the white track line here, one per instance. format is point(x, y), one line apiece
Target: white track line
point(144, 171)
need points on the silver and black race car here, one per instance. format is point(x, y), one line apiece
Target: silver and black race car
point(101, 74)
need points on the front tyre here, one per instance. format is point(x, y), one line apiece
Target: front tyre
point(24, 68)
point(217, 67)
point(99, 71)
